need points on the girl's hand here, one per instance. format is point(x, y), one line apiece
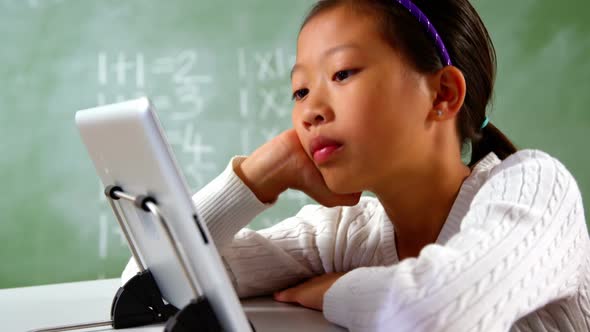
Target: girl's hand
point(282, 163)
point(310, 293)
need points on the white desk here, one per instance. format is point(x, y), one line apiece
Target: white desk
point(23, 309)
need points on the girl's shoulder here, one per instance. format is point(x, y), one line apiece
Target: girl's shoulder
point(528, 156)
point(531, 161)
point(527, 170)
point(521, 158)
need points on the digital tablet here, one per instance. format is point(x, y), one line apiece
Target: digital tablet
point(128, 148)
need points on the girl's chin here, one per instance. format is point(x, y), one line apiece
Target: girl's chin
point(342, 186)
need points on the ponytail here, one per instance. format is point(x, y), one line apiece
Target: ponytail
point(491, 139)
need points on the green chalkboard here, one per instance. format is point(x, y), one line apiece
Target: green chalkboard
point(218, 72)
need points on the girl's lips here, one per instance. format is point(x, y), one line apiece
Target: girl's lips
point(323, 148)
point(322, 155)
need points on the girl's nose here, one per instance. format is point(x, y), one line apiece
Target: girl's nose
point(317, 113)
point(318, 119)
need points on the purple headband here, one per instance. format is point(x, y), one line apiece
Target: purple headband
point(417, 13)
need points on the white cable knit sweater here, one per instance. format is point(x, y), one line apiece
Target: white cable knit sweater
point(513, 254)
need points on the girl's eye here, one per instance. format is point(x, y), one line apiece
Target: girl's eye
point(343, 74)
point(299, 94)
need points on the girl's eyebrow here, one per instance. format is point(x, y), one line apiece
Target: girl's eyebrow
point(340, 48)
point(329, 52)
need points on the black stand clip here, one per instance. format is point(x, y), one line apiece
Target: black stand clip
point(198, 315)
point(139, 302)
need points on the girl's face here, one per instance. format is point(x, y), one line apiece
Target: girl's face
point(360, 111)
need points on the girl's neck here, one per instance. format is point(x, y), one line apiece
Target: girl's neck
point(418, 205)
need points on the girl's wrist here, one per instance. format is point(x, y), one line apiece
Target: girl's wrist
point(262, 181)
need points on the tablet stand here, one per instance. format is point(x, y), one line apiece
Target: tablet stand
point(139, 301)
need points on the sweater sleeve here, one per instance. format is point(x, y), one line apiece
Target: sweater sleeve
point(519, 248)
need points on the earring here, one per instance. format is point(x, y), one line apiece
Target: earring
point(439, 113)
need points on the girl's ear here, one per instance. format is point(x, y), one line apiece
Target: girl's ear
point(450, 88)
